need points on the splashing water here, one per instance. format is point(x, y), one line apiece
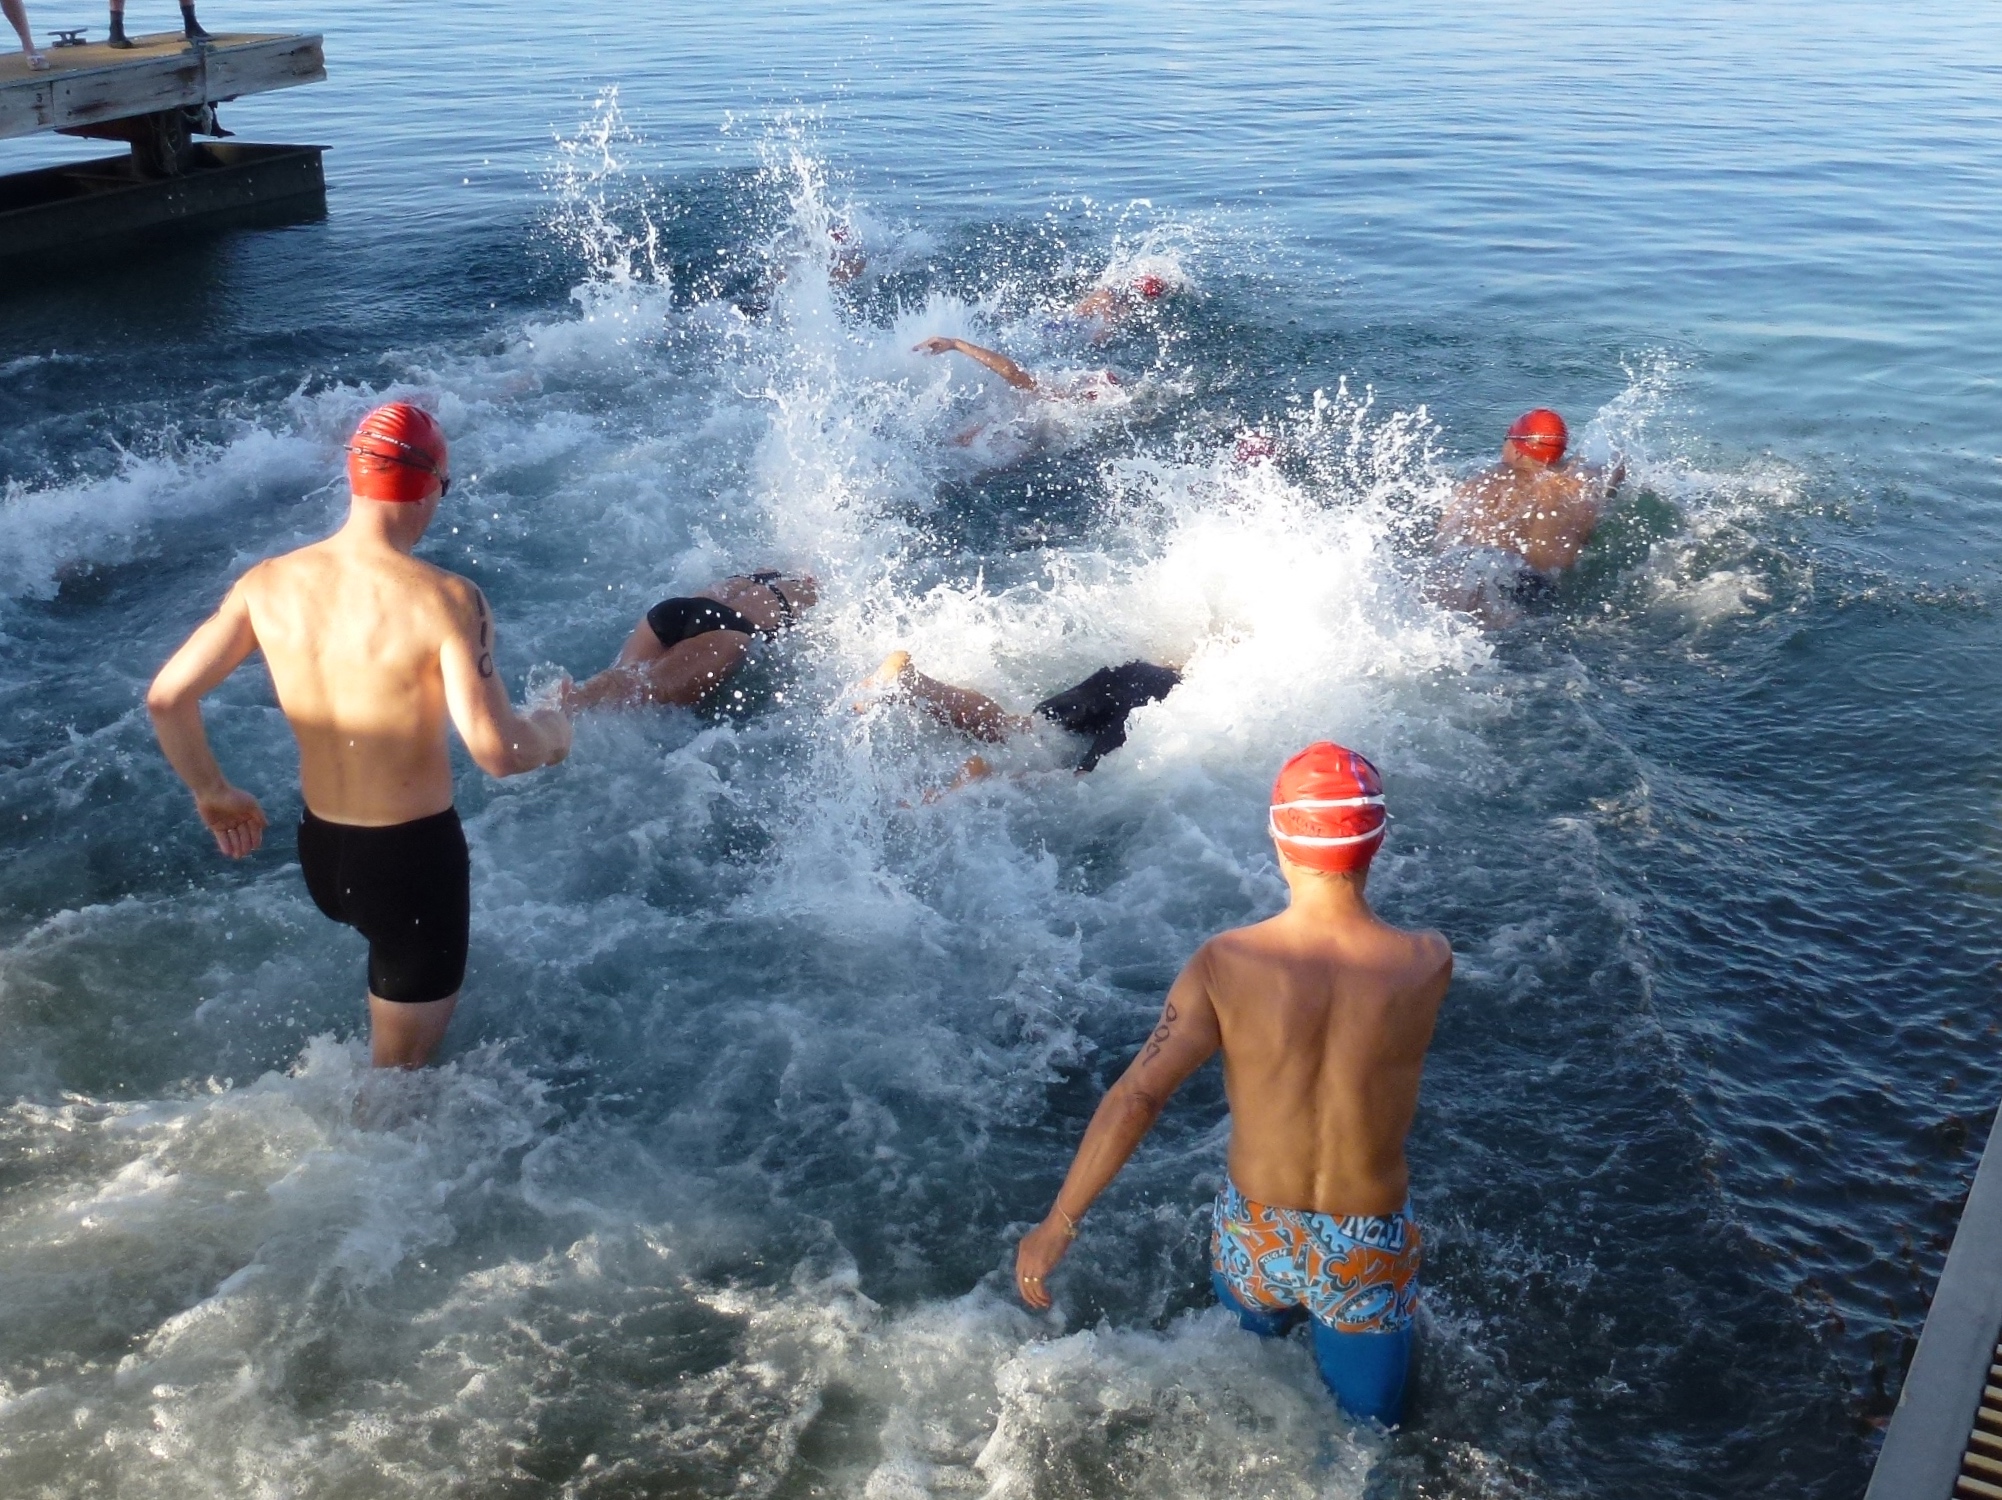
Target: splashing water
point(766, 1060)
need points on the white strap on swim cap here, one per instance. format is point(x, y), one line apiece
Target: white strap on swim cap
point(1272, 822)
point(1313, 802)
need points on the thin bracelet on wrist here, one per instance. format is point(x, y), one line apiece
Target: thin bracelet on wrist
point(1070, 1224)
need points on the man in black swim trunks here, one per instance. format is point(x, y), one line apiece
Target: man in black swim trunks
point(686, 648)
point(1095, 711)
point(371, 653)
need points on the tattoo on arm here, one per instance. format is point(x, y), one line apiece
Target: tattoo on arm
point(486, 656)
point(1161, 1033)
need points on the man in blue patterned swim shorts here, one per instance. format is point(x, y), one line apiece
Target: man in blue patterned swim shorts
point(1323, 1015)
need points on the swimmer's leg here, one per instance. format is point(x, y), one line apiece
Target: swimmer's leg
point(648, 673)
point(1368, 1372)
point(406, 1035)
point(1266, 1322)
point(690, 671)
point(964, 709)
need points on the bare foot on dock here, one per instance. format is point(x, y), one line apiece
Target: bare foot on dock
point(883, 682)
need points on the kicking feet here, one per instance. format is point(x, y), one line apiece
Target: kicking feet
point(884, 683)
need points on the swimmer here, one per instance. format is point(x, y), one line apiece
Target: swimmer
point(371, 653)
point(684, 649)
point(1082, 388)
point(1095, 711)
point(1516, 527)
point(1107, 307)
point(846, 263)
point(1323, 1014)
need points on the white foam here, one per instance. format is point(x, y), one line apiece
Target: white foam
point(323, 1280)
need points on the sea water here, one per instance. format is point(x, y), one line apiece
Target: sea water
point(765, 1061)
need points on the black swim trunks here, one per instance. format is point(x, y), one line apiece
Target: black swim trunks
point(406, 888)
point(678, 620)
point(1097, 708)
point(770, 579)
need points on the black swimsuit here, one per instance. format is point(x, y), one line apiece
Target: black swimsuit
point(406, 888)
point(769, 579)
point(676, 620)
point(1098, 707)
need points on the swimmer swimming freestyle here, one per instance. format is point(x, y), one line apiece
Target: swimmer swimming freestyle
point(684, 649)
point(1088, 387)
point(1323, 1015)
point(1510, 532)
point(371, 653)
point(1094, 712)
point(1104, 309)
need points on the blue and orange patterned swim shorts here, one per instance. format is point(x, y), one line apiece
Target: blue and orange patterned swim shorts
point(1353, 1273)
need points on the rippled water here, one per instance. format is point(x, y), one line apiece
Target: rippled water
point(761, 1071)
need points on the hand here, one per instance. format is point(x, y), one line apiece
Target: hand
point(553, 723)
point(235, 818)
point(935, 345)
point(1037, 1256)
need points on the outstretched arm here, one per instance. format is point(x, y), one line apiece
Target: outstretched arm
point(1186, 1038)
point(216, 649)
point(501, 741)
point(996, 361)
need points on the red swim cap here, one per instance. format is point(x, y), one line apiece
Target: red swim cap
point(1150, 287)
point(1254, 447)
point(1541, 434)
point(397, 453)
point(1327, 809)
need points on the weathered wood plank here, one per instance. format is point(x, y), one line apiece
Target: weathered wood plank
point(88, 85)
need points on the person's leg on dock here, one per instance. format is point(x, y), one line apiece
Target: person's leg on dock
point(17, 13)
point(190, 27)
point(118, 38)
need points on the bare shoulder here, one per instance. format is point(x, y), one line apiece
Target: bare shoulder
point(259, 576)
point(460, 596)
point(283, 573)
point(1431, 961)
point(1249, 943)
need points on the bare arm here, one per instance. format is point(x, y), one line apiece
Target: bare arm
point(502, 742)
point(1186, 1037)
point(218, 647)
point(996, 361)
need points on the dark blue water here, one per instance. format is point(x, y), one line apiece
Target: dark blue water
point(761, 1071)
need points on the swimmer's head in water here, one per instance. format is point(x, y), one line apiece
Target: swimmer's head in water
point(1254, 447)
point(398, 453)
point(1327, 809)
point(1150, 287)
point(1540, 435)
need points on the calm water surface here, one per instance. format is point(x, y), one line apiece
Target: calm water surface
point(762, 1071)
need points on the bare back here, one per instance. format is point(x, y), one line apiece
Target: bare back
point(355, 638)
point(1544, 517)
point(1323, 1031)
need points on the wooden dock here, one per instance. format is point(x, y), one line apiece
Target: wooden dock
point(1945, 1438)
point(155, 96)
point(94, 84)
